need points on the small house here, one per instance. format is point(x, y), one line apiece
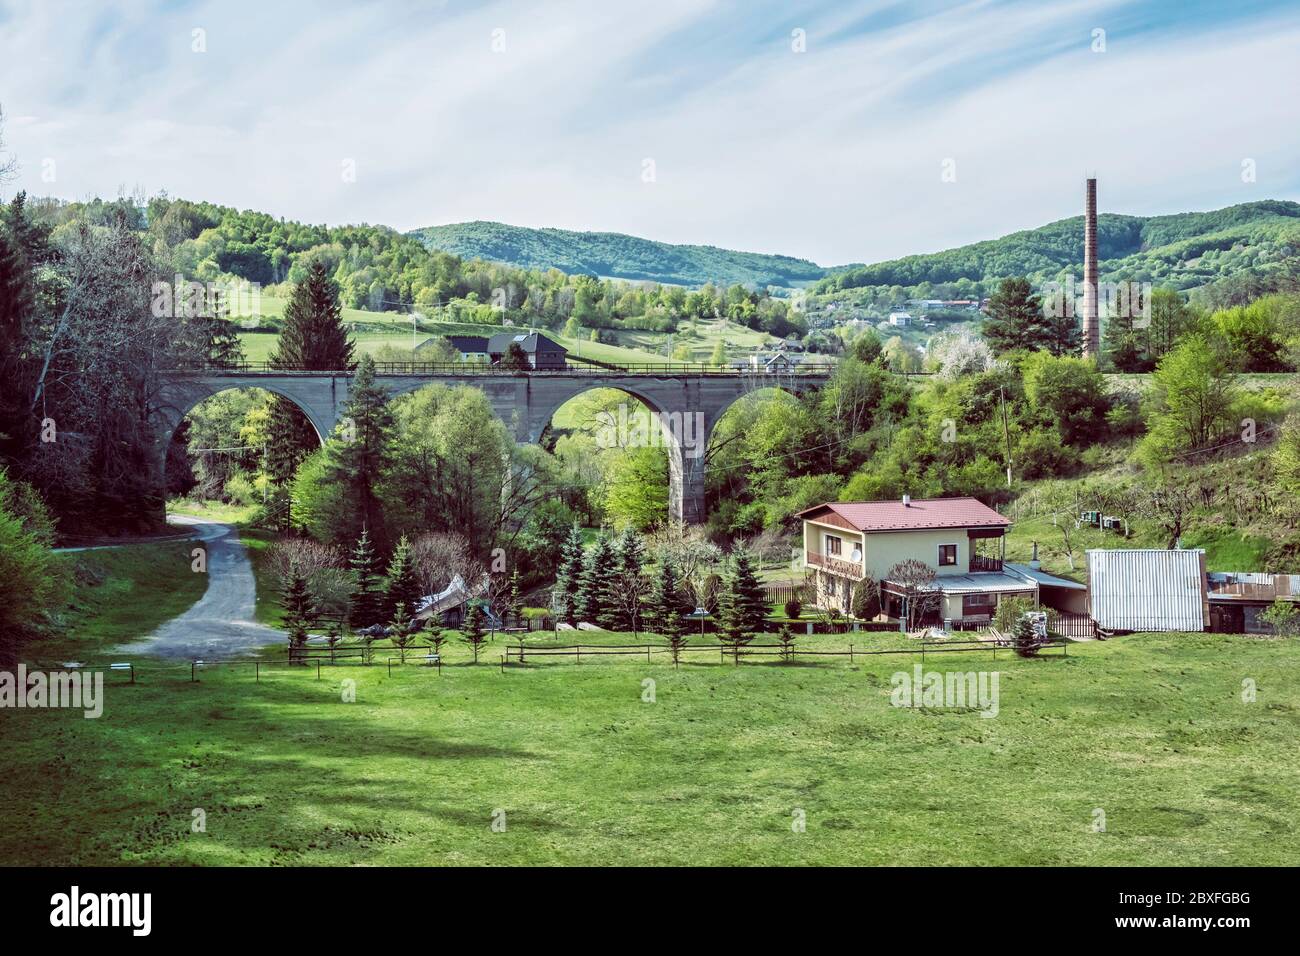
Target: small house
point(958, 541)
point(543, 353)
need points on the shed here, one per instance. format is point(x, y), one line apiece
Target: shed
point(1238, 598)
point(1147, 589)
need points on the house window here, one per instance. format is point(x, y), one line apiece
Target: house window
point(977, 604)
point(833, 546)
point(947, 555)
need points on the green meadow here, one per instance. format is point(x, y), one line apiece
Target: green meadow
point(620, 760)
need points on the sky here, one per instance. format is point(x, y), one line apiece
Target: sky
point(838, 132)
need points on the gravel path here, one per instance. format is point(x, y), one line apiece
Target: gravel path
point(220, 624)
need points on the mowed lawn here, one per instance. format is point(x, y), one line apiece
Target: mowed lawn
point(1149, 729)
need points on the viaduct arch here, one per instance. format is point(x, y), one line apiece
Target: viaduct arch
point(687, 404)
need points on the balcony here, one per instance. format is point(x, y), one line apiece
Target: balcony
point(979, 562)
point(836, 566)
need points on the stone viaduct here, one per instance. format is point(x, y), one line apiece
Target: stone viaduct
point(687, 404)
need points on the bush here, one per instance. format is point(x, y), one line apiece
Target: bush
point(1283, 617)
point(241, 490)
point(1010, 612)
point(866, 601)
point(1124, 420)
point(1023, 639)
point(1041, 454)
point(793, 608)
point(30, 581)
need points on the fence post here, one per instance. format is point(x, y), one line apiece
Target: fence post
point(257, 672)
point(850, 653)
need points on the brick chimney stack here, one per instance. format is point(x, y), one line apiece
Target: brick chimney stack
point(1091, 325)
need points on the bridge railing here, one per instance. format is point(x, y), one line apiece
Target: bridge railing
point(477, 368)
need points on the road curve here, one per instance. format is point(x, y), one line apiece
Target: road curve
point(220, 624)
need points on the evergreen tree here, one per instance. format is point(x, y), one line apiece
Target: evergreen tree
point(666, 603)
point(1015, 319)
point(515, 358)
point(785, 637)
point(1062, 334)
point(15, 311)
point(731, 618)
point(626, 585)
point(510, 604)
point(31, 237)
point(312, 339)
point(568, 580)
point(597, 571)
point(1124, 345)
point(403, 586)
point(359, 457)
point(471, 629)
point(367, 606)
point(401, 630)
point(299, 613)
point(747, 596)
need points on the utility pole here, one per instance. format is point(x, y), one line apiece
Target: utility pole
point(1006, 430)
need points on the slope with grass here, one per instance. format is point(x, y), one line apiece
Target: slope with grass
point(586, 767)
point(121, 594)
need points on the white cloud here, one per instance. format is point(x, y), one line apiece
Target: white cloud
point(833, 154)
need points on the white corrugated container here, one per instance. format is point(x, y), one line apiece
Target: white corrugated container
point(1147, 590)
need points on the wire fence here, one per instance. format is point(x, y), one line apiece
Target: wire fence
point(517, 654)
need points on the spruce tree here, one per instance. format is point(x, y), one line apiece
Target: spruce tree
point(31, 237)
point(403, 586)
point(401, 631)
point(1015, 319)
point(299, 612)
point(625, 584)
point(359, 457)
point(568, 581)
point(510, 605)
point(471, 629)
point(15, 309)
point(666, 603)
point(597, 571)
point(312, 339)
point(367, 606)
point(748, 596)
point(731, 620)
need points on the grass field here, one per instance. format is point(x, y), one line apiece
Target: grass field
point(119, 594)
point(374, 330)
point(1226, 549)
point(1151, 730)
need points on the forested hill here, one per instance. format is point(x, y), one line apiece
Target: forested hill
point(615, 255)
point(1183, 251)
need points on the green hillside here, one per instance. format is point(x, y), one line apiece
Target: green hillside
point(615, 255)
point(1184, 251)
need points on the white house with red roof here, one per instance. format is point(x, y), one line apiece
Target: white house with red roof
point(961, 540)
